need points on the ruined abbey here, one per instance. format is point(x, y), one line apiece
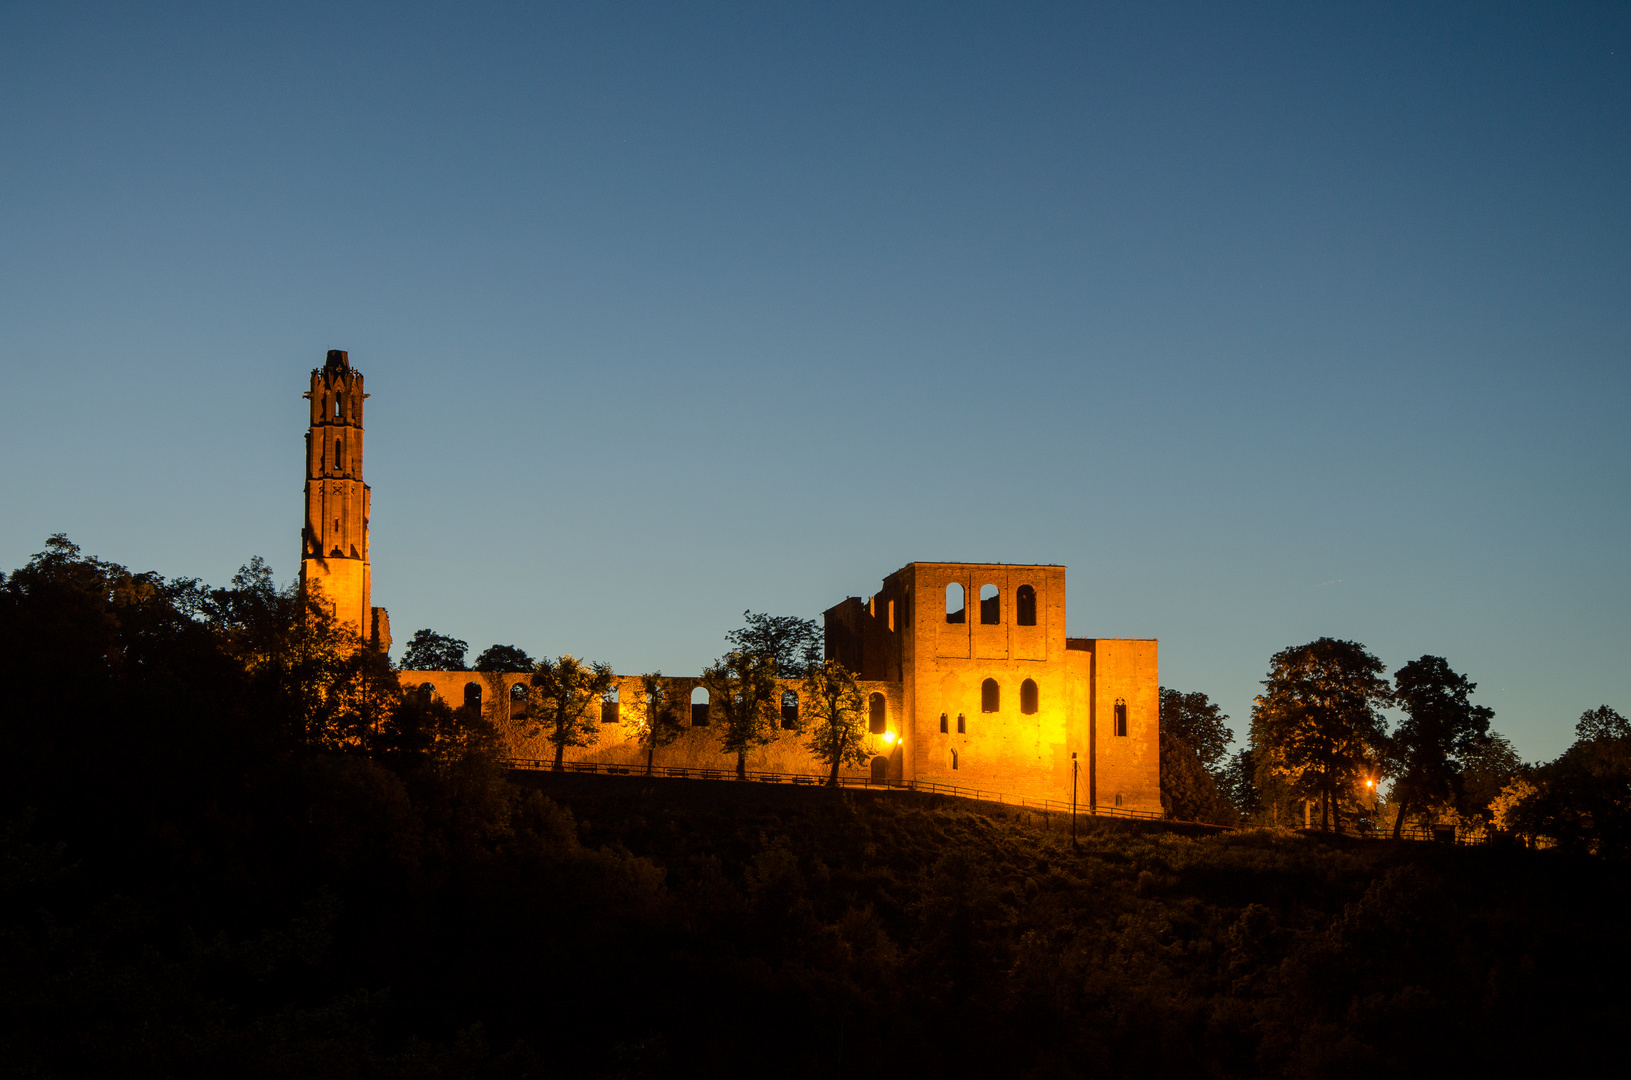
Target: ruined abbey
point(970, 677)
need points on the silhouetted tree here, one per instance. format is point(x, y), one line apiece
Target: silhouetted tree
point(500, 658)
point(1238, 781)
point(1198, 723)
point(1317, 723)
point(1601, 724)
point(795, 644)
point(834, 715)
point(329, 686)
point(425, 727)
point(1194, 738)
point(1440, 729)
point(429, 651)
point(655, 722)
point(568, 695)
point(744, 687)
point(1581, 801)
point(1487, 770)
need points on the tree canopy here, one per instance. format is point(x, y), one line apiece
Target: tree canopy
point(1198, 722)
point(656, 724)
point(834, 716)
point(794, 644)
point(743, 687)
point(429, 651)
point(568, 694)
point(510, 658)
point(1440, 731)
point(1318, 723)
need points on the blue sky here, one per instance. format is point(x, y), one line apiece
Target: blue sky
point(1269, 321)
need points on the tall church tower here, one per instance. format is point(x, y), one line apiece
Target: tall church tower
point(334, 543)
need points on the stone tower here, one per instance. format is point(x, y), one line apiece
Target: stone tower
point(334, 544)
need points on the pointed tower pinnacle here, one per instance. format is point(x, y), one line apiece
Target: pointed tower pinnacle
point(334, 542)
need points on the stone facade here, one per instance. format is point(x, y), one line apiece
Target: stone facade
point(504, 699)
point(994, 695)
point(334, 555)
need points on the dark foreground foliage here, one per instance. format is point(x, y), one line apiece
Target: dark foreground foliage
point(198, 879)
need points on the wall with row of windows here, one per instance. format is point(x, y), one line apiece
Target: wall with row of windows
point(991, 605)
point(610, 705)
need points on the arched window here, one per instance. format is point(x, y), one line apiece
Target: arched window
point(339, 400)
point(954, 602)
point(1025, 606)
point(954, 759)
point(942, 723)
point(880, 770)
point(962, 725)
point(338, 458)
point(608, 706)
point(472, 695)
point(990, 606)
point(878, 714)
point(990, 696)
point(699, 707)
point(427, 691)
point(1121, 716)
point(518, 699)
point(790, 710)
point(1027, 696)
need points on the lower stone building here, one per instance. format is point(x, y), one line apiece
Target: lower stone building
point(989, 696)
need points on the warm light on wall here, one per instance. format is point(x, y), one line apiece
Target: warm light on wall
point(888, 736)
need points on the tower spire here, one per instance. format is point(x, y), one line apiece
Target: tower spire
point(334, 542)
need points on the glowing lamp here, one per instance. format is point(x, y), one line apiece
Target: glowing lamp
point(888, 736)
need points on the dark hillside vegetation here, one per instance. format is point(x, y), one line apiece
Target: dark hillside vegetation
point(227, 852)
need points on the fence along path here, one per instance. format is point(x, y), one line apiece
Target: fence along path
point(816, 780)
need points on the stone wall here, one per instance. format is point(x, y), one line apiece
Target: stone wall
point(697, 747)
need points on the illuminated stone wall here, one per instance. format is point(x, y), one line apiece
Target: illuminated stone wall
point(696, 748)
point(996, 697)
point(334, 552)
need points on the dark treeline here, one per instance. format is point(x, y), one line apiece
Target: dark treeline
point(1321, 752)
point(230, 846)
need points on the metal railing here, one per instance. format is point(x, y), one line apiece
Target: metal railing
point(1046, 806)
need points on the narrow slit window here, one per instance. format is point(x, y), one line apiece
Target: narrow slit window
point(942, 723)
point(892, 625)
point(1121, 718)
point(1028, 696)
point(990, 605)
point(962, 725)
point(990, 696)
point(1025, 606)
point(954, 759)
point(954, 602)
point(790, 710)
point(878, 714)
point(338, 457)
point(339, 400)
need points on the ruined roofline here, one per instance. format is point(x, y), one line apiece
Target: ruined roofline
point(1008, 565)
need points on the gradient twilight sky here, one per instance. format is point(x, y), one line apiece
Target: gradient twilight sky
point(1270, 321)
